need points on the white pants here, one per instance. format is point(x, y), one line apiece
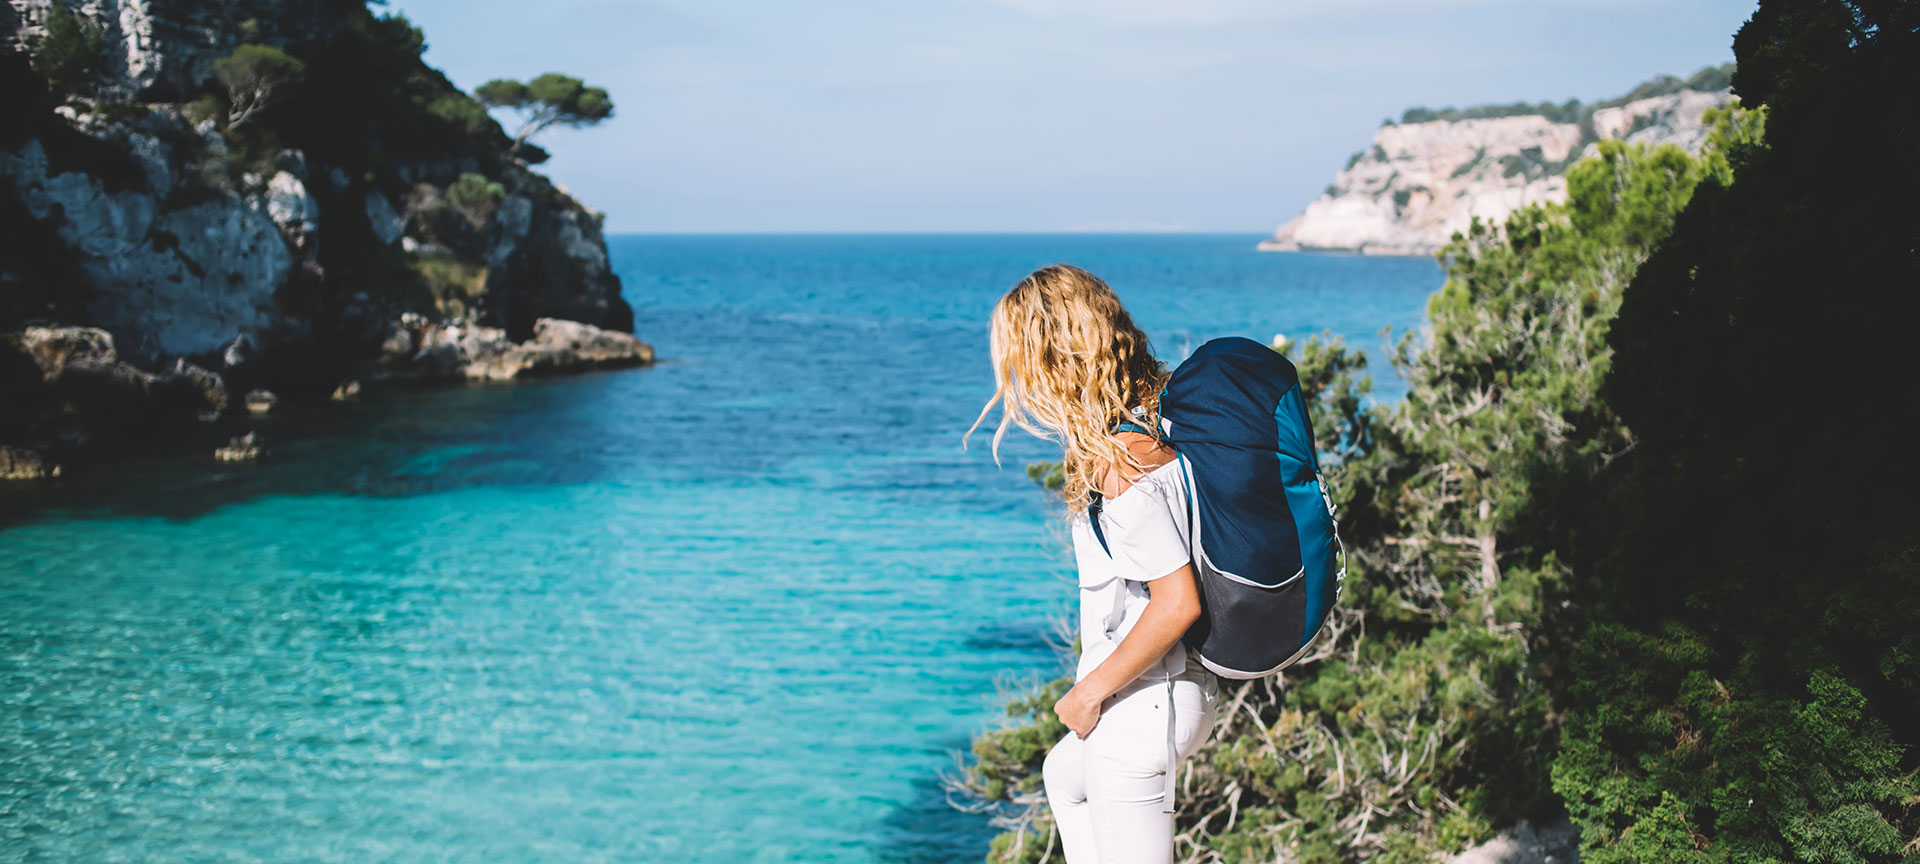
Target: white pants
point(1107, 791)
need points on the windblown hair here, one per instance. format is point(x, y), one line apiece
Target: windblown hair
point(1069, 365)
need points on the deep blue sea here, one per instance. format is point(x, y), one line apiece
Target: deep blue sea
point(743, 606)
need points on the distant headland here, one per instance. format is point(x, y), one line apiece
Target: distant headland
point(1430, 174)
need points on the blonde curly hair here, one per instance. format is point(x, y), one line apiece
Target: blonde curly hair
point(1070, 365)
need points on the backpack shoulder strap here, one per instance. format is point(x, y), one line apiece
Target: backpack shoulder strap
point(1093, 520)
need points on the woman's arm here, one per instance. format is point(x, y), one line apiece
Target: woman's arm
point(1173, 604)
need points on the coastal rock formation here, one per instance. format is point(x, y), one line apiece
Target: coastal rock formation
point(68, 386)
point(151, 230)
point(19, 463)
point(173, 280)
point(1422, 181)
point(241, 448)
point(423, 349)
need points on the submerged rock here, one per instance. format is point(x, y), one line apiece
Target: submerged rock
point(244, 448)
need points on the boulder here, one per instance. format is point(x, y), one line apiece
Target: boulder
point(86, 393)
point(53, 348)
point(590, 346)
point(211, 387)
point(261, 401)
point(419, 349)
point(244, 448)
point(20, 463)
point(1553, 843)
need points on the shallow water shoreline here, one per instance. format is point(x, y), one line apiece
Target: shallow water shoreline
point(759, 580)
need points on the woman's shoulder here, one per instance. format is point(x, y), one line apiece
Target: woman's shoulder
point(1160, 489)
point(1152, 453)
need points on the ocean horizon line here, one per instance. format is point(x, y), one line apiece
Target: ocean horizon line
point(944, 233)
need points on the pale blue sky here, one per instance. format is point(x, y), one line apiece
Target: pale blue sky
point(1029, 115)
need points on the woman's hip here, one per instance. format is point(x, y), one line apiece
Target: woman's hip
point(1138, 712)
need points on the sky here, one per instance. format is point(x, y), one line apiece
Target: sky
point(1028, 115)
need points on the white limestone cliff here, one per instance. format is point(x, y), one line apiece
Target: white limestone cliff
point(1421, 182)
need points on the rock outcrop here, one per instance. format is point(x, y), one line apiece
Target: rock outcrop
point(418, 348)
point(1556, 842)
point(241, 448)
point(147, 231)
point(66, 388)
point(173, 280)
point(1422, 181)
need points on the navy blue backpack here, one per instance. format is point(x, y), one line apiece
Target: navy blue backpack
point(1268, 562)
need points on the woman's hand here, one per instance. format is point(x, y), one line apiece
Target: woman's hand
point(1080, 712)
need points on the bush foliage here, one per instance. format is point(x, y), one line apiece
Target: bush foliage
point(1628, 551)
point(255, 76)
point(68, 55)
point(1711, 78)
point(476, 198)
point(1747, 688)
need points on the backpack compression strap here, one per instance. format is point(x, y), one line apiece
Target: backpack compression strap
point(1173, 749)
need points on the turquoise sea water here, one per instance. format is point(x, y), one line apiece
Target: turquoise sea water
point(743, 606)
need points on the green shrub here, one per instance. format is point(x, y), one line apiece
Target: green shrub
point(68, 55)
point(454, 283)
point(476, 198)
point(255, 77)
point(1709, 79)
point(459, 109)
point(207, 107)
point(1051, 476)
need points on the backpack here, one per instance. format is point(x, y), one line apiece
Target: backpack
point(1263, 533)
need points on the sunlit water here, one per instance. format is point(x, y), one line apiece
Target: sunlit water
point(742, 606)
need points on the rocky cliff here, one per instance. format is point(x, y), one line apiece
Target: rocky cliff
point(367, 225)
point(1424, 179)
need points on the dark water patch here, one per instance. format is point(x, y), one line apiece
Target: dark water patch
point(928, 829)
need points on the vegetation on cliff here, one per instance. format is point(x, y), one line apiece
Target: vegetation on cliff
point(548, 100)
point(68, 54)
point(1624, 552)
point(1747, 684)
point(254, 75)
point(351, 97)
point(292, 201)
point(1711, 79)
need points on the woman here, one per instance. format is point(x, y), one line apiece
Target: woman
point(1071, 366)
